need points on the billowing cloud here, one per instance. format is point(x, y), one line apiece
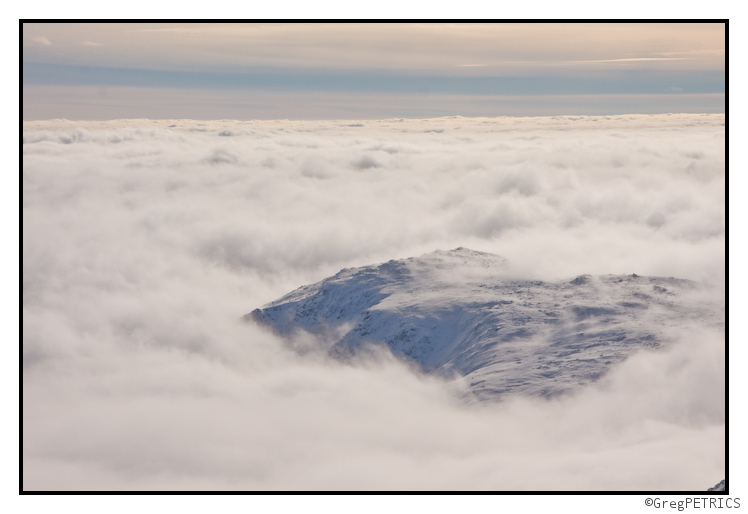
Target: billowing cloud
point(144, 242)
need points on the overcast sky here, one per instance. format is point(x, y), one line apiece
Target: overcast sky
point(334, 71)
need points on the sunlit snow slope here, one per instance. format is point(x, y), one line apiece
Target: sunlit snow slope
point(456, 312)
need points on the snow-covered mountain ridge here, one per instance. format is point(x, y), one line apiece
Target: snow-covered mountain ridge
point(457, 312)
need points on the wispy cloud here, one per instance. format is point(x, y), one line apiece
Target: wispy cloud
point(40, 41)
point(406, 47)
point(635, 59)
point(90, 43)
point(551, 63)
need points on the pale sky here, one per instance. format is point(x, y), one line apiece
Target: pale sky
point(247, 71)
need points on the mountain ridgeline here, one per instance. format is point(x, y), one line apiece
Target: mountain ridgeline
point(458, 313)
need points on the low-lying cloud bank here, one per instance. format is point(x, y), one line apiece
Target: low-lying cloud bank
point(144, 242)
point(160, 419)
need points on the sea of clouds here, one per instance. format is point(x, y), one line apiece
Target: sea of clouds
point(144, 242)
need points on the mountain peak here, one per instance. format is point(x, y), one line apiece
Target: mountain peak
point(455, 312)
point(462, 252)
point(451, 266)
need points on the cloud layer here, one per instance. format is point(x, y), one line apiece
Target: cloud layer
point(144, 242)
